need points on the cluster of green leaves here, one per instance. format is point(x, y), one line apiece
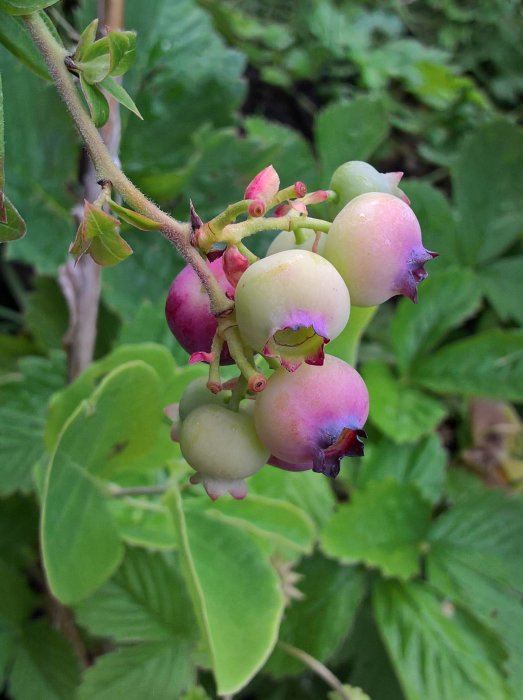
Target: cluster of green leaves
point(336, 50)
point(410, 569)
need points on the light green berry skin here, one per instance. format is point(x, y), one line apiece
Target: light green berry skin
point(357, 177)
point(288, 289)
point(286, 240)
point(221, 444)
point(197, 394)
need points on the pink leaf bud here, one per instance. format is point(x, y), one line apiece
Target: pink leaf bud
point(315, 197)
point(234, 265)
point(264, 186)
point(301, 188)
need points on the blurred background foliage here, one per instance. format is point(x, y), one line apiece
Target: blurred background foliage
point(410, 563)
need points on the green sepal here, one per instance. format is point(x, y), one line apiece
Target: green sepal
point(139, 221)
point(98, 105)
point(96, 61)
point(86, 40)
point(24, 7)
point(14, 226)
point(122, 47)
point(120, 95)
point(98, 235)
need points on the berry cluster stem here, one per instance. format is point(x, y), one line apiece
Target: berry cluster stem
point(176, 232)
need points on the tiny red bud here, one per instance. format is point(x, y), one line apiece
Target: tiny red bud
point(257, 208)
point(301, 188)
point(264, 186)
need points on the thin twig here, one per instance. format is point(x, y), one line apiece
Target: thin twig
point(318, 668)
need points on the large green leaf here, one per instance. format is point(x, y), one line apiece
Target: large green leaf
point(180, 89)
point(438, 650)
point(349, 131)
point(320, 621)
point(446, 300)
point(487, 364)
point(384, 526)
point(42, 164)
point(23, 412)
point(80, 541)
point(172, 379)
point(24, 7)
point(488, 189)
point(304, 489)
point(15, 37)
point(502, 283)
point(280, 522)
point(44, 665)
point(398, 409)
point(476, 548)
point(159, 670)
point(437, 220)
point(236, 593)
point(145, 601)
point(422, 464)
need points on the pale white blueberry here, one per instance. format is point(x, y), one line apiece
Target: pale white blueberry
point(375, 244)
point(288, 305)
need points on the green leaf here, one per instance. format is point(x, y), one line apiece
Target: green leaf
point(384, 526)
point(488, 190)
point(352, 692)
point(502, 283)
point(122, 46)
point(17, 601)
point(180, 94)
point(98, 234)
point(18, 531)
point(98, 105)
point(438, 225)
point(487, 364)
point(399, 410)
point(476, 547)
point(304, 490)
point(171, 378)
point(159, 670)
point(349, 131)
point(96, 61)
point(226, 571)
point(16, 39)
point(14, 227)
point(283, 523)
point(438, 650)
point(144, 523)
point(46, 315)
point(41, 162)
point(145, 601)
point(422, 464)
point(139, 221)
point(446, 300)
point(120, 95)
point(44, 666)
point(24, 7)
point(87, 39)
point(371, 667)
point(23, 412)
point(321, 621)
point(118, 423)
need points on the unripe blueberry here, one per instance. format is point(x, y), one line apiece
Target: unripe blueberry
point(197, 394)
point(286, 240)
point(290, 304)
point(188, 310)
point(357, 177)
point(375, 244)
point(314, 416)
point(223, 448)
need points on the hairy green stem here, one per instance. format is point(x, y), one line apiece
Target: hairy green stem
point(318, 668)
point(176, 232)
point(234, 233)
